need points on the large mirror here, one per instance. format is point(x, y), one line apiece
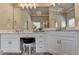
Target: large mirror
point(39, 17)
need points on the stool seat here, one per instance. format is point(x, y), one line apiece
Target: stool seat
point(28, 40)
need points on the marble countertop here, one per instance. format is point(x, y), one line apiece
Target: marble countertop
point(39, 32)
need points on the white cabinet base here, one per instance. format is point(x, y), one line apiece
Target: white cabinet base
point(62, 43)
point(10, 43)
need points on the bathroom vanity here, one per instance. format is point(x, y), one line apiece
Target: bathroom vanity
point(56, 30)
point(54, 42)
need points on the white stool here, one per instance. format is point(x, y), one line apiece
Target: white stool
point(28, 42)
point(28, 45)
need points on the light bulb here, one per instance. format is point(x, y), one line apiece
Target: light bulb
point(30, 5)
point(22, 5)
point(34, 5)
point(26, 5)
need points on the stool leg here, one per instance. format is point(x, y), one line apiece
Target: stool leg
point(23, 48)
point(29, 49)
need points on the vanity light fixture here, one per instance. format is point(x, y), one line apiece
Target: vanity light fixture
point(28, 5)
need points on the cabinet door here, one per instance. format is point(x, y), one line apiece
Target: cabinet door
point(10, 43)
point(54, 46)
point(68, 47)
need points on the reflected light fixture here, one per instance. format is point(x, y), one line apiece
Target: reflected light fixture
point(54, 4)
point(28, 5)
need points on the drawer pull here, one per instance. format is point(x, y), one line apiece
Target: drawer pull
point(40, 41)
point(27, 35)
point(40, 47)
point(40, 36)
point(9, 42)
point(59, 41)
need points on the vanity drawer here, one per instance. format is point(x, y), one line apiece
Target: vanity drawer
point(22, 35)
point(39, 36)
point(41, 48)
point(41, 41)
point(67, 38)
point(67, 34)
point(41, 44)
point(26, 35)
point(9, 36)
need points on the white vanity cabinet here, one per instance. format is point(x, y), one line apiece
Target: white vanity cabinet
point(68, 43)
point(62, 43)
point(54, 42)
point(41, 43)
point(10, 43)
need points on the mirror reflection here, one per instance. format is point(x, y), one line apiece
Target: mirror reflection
point(37, 17)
